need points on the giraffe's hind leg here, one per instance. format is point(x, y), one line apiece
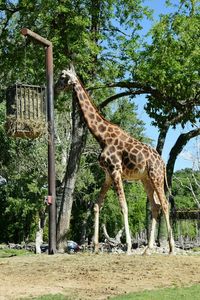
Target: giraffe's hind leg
point(159, 189)
point(155, 208)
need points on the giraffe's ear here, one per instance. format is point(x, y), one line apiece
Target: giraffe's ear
point(72, 69)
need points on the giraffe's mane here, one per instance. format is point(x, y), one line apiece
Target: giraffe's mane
point(95, 107)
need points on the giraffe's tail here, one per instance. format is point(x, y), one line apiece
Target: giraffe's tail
point(171, 197)
point(166, 183)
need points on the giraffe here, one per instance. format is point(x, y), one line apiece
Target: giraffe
point(123, 158)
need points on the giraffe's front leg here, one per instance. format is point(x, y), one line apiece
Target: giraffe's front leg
point(105, 187)
point(96, 228)
point(124, 208)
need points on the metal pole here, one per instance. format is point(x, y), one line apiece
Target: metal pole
point(51, 149)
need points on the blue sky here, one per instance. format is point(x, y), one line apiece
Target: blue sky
point(184, 160)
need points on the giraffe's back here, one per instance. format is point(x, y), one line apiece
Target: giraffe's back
point(139, 160)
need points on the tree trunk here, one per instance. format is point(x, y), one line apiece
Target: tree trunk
point(77, 145)
point(162, 230)
point(161, 139)
point(148, 218)
point(182, 140)
point(79, 131)
point(162, 234)
point(175, 151)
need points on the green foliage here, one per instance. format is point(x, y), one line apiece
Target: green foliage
point(184, 198)
point(81, 31)
point(23, 163)
point(27, 208)
point(186, 228)
point(196, 249)
point(125, 116)
point(183, 181)
point(23, 201)
point(5, 142)
point(170, 66)
point(102, 39)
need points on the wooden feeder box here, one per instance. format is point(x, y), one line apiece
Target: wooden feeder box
point(26, 111)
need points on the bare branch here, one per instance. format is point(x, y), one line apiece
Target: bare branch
point(190, 188)
point(195, 180)
point(114, 97)
point(176, 150)
point(136, 88)
point(193, 193)
point(115, 29)
point(112, 241)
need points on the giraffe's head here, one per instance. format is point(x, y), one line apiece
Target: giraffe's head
point(67, 78)
point(70, 74)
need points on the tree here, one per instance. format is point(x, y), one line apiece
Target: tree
point(102, 39)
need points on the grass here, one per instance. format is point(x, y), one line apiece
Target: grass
point(12, 252)
point(196, 249)
point(176, 293)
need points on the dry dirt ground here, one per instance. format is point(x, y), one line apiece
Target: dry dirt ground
point(89, 276)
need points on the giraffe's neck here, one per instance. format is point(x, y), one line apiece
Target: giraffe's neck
point(95, 121)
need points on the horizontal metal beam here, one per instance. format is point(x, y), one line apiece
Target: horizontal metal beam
point(35, 36)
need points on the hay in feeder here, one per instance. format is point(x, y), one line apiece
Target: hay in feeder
point(26, 111)
point(25, 127)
